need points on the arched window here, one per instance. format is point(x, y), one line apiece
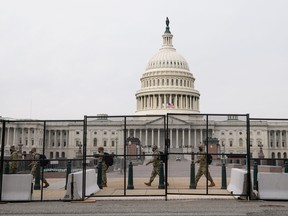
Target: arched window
point(273, 155)
point(63, 155)
point(57, 154)
point(279, 155)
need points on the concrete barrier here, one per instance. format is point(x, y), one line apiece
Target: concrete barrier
point(273, 186)
point(265, 168)
point(74, 185)
point(238, 182)
point(17, 187)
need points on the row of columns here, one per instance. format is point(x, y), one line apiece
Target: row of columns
point(273, 139)
point(59, 137)
point(160, 101)
point(15, 136)
point(190, 137)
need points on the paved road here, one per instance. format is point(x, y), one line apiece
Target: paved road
point(199, 207)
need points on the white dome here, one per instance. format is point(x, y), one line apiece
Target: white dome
point(167, 85)
point(167, 58)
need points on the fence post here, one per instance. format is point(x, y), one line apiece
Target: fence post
point(68, 171)
point(161, 177)
point(99, 175)
point(255, 185)
point(130, 176)
point(37, 177)
point(286, 167)
point(192, 176)
point(224, 179)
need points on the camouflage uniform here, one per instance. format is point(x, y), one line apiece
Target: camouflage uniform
point(203, 168)
point(13, 165)
point(35, 161)
point(156, 165)
point(104, 166)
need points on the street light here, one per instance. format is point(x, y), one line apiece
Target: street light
point(116, 143)
point(261, 154)
point(223, 154)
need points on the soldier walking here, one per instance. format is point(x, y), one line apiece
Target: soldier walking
point(156, 165)
point(203, 167)
point(35, 160)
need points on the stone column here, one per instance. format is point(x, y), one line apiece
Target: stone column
point(140, 136)
point(22, 136)
point(177, 138)
point(146, 137)
point(14, 137)
point(280, 138)
point(61, 138)
point(275, 140)
point(28, 137)
point(189, 138)
point(195, 138)
point(183, 138)
point(152, 137)
point(55, 138)
point(158, 142)
point(8, 136)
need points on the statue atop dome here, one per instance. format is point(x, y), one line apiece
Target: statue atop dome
point(167, 26)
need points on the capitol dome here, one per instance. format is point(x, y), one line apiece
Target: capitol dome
point(167, 84)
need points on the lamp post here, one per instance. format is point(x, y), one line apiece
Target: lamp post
point(20, 145)
point(116, 143)
point(223, 154)
point(261, 154)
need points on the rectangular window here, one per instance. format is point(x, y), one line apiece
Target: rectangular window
point(113, 143)
point(105, 143)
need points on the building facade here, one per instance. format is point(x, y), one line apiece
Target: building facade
point(167, 86)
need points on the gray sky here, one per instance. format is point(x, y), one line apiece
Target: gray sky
point(63, 59)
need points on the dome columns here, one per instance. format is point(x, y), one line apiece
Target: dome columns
point(168, 101)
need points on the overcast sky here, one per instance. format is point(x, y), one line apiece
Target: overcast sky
point(64, 59)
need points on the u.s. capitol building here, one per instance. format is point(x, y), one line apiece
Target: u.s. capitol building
point(167, 86)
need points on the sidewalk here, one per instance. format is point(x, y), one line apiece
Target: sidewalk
point(178, 189)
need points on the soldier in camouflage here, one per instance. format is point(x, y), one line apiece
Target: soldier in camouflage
point(13, 164)
point(104, 166)
point(156, 165)
point(35, 160)
point(203, 167)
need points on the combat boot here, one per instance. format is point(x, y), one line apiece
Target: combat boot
point(147, 183)
point(212, 184)
point(46, 184)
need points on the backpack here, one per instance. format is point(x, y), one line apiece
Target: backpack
point(108, 158)
point(43, 160)
point(162, 156)
point(210, 159)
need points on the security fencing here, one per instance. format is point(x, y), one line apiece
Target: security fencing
point(71, 146)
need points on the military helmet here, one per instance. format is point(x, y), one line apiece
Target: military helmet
point(154, 148)
point(201, 148)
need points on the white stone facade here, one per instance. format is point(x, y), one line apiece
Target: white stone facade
point(167, 86)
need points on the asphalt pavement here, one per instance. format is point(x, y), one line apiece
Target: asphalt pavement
point(145, 207)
